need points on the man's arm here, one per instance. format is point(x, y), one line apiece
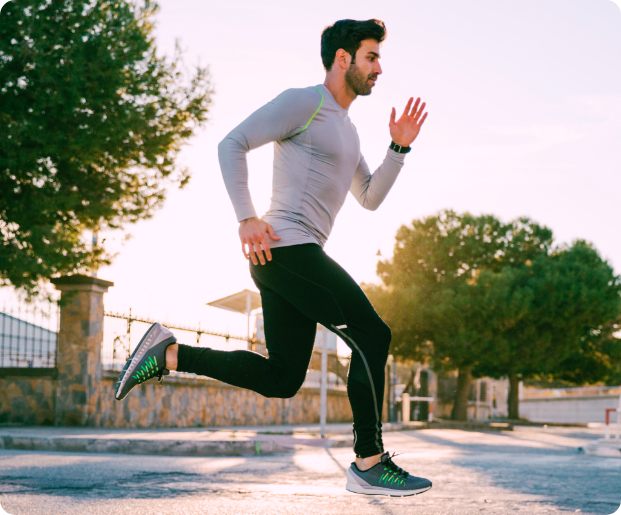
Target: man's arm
point(283, 117)
point(371, 189)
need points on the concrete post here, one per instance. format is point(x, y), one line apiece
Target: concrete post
point(78, 360)
point(405, 407)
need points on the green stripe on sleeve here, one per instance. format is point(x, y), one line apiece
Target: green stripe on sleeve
point(314, 114)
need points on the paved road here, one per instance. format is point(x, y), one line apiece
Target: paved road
point(531, 471)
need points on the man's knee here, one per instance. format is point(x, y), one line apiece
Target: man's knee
point(378, 350)
point(385, 334)
point(283, 392)
point(286, 385)
point(288, 392)
point(382, 337)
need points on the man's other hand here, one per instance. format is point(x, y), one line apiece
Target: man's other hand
point(253, 233)
point(405, 129)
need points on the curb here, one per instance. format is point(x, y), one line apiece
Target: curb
point(143, 447)
point(280, 442)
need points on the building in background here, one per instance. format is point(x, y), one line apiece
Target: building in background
point(568, 405)
point(25, 344)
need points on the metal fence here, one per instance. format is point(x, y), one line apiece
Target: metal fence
point(28, 336)
point(122, 333)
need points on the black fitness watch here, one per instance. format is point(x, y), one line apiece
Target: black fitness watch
point(399, 149)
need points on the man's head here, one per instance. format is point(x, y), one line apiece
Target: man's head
point(351, 48)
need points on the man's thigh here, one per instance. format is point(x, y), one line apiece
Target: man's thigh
point(318, 287)
point(289, 334)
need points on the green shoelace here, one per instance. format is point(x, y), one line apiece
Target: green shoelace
point(148, 370)
point(393, 474)
point(390, 477)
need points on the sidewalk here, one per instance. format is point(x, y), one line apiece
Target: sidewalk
point(223, 441)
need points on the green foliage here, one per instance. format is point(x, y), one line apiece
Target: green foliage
point(427, 299)
point(569, 304)
point(474, 293)
point(92, 121)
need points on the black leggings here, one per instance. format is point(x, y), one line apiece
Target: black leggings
point(299, 288)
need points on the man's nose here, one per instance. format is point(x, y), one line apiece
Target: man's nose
point(377, 68)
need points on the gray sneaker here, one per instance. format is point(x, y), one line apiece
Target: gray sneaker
point(147, 361)
point(385, 478)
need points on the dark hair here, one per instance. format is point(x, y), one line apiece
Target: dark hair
point(348, 34)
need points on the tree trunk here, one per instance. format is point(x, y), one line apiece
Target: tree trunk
point(460, 408)
point(514, 397)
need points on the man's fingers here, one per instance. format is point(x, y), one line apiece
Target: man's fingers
point(407, 107)
point(257, 252)
point(251, 252)
point(256, 243)
point(393, 115)
point(420, 124)
point(266, 248)
point(415, 108)
point(253, 256)
point(420, 112)
point(272, 234)
point(256, 238)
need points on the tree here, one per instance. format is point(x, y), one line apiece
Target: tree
point(426, 296)
point(554, 319)
point(92, 121)
point(496, 299)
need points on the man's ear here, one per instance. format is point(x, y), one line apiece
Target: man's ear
point(342, 59)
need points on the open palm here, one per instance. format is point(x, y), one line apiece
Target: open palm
point(405, 129)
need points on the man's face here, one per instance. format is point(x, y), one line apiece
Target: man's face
point(362, 73)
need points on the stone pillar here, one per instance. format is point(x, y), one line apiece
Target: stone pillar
point(78, 358)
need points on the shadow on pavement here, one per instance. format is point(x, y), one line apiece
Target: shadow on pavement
point(526, 463)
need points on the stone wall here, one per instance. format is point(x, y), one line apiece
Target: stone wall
point(204, 403)
point(78, 392)
point(178, 402)
point(27, 400)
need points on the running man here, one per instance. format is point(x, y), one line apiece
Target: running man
point(317, 160)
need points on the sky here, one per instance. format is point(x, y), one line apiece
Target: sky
point(524, 103)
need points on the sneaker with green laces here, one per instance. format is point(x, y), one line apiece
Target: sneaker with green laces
point(147, 361)
point(385, 478)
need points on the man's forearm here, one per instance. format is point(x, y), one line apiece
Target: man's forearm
point(371, 189)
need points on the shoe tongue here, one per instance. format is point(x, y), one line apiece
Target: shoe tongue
point(385, 457)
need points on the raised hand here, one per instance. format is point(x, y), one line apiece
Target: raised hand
point(253, 233)
point(406, 128)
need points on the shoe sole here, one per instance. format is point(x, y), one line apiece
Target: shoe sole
point(131, 369)
point(357, 489)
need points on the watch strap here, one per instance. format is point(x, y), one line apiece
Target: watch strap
point(399, 149)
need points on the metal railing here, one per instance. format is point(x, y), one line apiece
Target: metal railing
point(122, 333)
point(28, 336)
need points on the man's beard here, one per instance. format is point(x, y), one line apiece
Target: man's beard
point(357, 81)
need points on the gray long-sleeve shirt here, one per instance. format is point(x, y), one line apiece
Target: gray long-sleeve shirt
point(317, 160)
